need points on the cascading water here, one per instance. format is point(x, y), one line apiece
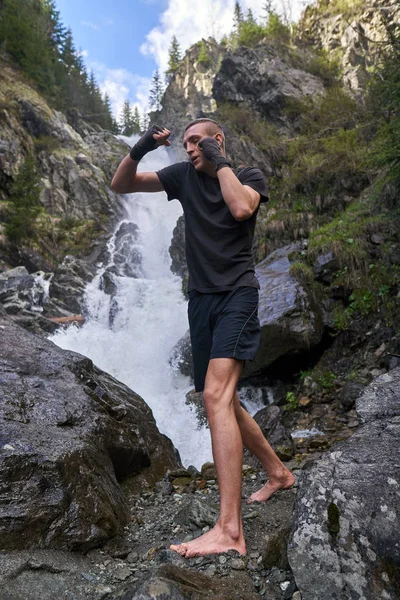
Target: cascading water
point(136, 313)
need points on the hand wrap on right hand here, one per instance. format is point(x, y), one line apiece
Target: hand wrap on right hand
point(146, 143)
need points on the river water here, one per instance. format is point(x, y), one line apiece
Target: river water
point(130, 333)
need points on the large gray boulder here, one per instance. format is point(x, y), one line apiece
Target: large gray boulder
point(346, 525)
point(291, 322)
point(68, 434)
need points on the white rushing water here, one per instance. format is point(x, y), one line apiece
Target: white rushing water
point(130, 334)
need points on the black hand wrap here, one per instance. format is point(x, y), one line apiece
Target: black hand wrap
point(146, 143)
point(212, 152)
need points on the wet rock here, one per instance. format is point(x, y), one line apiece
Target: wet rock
point(181, 356)
point(346, 518)
point(127, 256)
point(19, 291)
point(68, 285)
point(68, 434)
point(177, 249)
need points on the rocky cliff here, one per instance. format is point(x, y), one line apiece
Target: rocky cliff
point(83, 466)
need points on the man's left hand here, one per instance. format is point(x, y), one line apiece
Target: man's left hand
point(212, 152)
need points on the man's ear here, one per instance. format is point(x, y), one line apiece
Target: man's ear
point(220, 139)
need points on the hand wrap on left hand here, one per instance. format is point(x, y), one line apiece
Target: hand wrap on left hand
point(212, 152)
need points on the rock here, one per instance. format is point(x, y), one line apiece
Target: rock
point(325, 267)
point(349, 394)
point(290, 320)
point(181, 356)
point(173, 582)
point(127, 256)
point(68, 434)
point(263, 78)
point(268, 419)
point(177, 249)
point(197, 513)
point(68, 285)
point(19, 291)
point(346, 518)
point(208, 471)
point(275, 549)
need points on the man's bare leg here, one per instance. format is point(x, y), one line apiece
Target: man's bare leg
point(222, 377)
point(279, 476)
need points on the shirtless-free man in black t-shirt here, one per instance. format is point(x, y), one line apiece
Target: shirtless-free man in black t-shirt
point(220, 206)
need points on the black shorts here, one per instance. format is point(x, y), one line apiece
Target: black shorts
point(222, 325)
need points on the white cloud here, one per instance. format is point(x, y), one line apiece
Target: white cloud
point(91, 25)
point(191, 21)
point(120, 85)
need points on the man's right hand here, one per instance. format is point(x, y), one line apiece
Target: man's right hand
point(154, 137)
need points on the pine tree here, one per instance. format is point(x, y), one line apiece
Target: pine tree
point(250, 17)
point(24, 202)
point(238, 16)
point(175, 57)
point(126, 119)
point(156, 91)
point(136, 120)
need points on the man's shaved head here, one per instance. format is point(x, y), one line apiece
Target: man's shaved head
point(212, 126)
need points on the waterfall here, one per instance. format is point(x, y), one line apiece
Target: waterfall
point(136, 313)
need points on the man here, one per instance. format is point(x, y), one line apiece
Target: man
point(220, 206)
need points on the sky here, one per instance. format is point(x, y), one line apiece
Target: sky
point(124, 41)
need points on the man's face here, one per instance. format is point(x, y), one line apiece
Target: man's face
point(192, 137)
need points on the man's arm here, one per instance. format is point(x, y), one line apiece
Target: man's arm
point(126, 179)
point(241, 199)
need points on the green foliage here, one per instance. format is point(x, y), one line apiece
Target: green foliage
point(326, 380)
point(130, 120)
point(301, 272)
point(32, 32)
point(156, 91)
point(384, 104)
point(319, 63)
point(347, 8)
point(292, 402)
point(248, 32)
point(174, 57)
point(24, 203)
point(203, 56)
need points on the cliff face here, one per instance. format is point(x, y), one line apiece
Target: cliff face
point(74, 166)
point(354, 33)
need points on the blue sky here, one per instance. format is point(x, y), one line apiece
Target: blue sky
point(124, 41)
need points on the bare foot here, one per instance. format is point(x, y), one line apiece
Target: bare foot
point(212, 542)
point(284, 482)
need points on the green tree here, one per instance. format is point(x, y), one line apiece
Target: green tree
point(238, 16)
point(203, 56)
point(24, 202)
point(174, 58)
point(127, 123)
point(156, 91)
point(384, 103)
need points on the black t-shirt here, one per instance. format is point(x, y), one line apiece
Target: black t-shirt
point(218, 247)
